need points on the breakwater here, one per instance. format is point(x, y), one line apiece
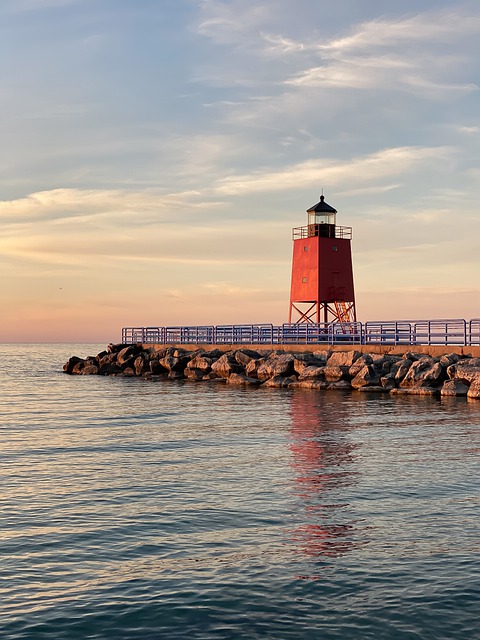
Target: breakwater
point(426, 371)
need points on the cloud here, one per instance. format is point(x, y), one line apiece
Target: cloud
point(372, 167)
point(230, 23)
point(141, 207)
point(394, 54)
point(430, 26)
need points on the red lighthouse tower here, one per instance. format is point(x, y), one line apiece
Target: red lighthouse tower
point(322, 274)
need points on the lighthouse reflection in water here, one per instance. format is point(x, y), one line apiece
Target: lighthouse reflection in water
point(323, 461)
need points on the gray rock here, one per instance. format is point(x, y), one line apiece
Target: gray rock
point(128, 354)
point(401, 368)
point(335, 374)
point(71, 364)
point(89, 369)
point(341, 385)
point(343, 358)
point(464, 372)
point(241, 379)
point(474, 389)
point(176, 375)
point(174, 363)
point(244, 356)
point(322, 355)
point(252, 367)
point(194, 374)
point(226, 365)
point(141, 364)
point(388, 382)
point(302, 361)
point(201, 362)
point(311, 372)
point(454, 388)
point(417, 371)
point(449, 359)
point(280, 381)
point(368, 376)
point(276, 365)
point(358, 365)
point(310, 383)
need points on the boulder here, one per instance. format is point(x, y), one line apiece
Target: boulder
point(341, 385)
point(322, 355)
point(474, 389)
point(276, 365)
point(309, 383)
point(312, 372)
point(107, 358)
point(454, 388)
point(411, 355)
point(367, 376)
point(464, 372)
point(89, 369)
point(155, 367)
point(334, 374)
point(400, 369)
point(417, 371)
point(434, 376)
point(302, 361)
point(343, 358)
point(243, 380)
point(128, 354)
point(109, 369)
point(214, 354)
point(141, 364)
point(373, 389)
point(174, 363)
point(175, 375)
point(449, 359)
point(244, 356)
point(424, 391)
point(358, 365)
point(279, 381)
point(415, 391)
point(201, 362)
point(252, 367)
point(194, 374)
point(116, 348)
point(226, 365)
point(71, 363)
point(388, 382)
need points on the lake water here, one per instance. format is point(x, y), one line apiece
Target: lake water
point(133, 509)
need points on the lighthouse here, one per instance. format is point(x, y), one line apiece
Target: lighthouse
point(322, 288)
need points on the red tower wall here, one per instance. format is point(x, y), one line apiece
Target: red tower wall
point(326, 263)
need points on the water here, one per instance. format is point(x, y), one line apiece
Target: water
point(152, 510)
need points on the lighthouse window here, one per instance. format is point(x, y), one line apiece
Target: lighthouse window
point(304, 279)
point(305, 248)
point(334, 247)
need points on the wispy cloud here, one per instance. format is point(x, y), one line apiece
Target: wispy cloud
point(373, 167)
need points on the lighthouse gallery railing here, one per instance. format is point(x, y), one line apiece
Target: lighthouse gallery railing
point(456, 332)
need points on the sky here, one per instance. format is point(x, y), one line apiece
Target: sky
point(156, 154)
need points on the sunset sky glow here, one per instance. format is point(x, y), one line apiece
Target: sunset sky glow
point(157, 153)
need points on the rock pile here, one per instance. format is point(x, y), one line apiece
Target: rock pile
point(412, 373)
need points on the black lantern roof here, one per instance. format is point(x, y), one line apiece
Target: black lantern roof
point(322, 207)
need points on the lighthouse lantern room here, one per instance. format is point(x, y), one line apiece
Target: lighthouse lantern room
point(322, 288)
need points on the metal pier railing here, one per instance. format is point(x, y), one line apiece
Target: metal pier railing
point(455, 332)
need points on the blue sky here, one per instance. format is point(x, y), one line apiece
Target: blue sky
point(156, 155)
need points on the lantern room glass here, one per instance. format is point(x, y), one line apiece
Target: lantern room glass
point(321, 217)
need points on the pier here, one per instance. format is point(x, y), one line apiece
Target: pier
point(451, 332)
